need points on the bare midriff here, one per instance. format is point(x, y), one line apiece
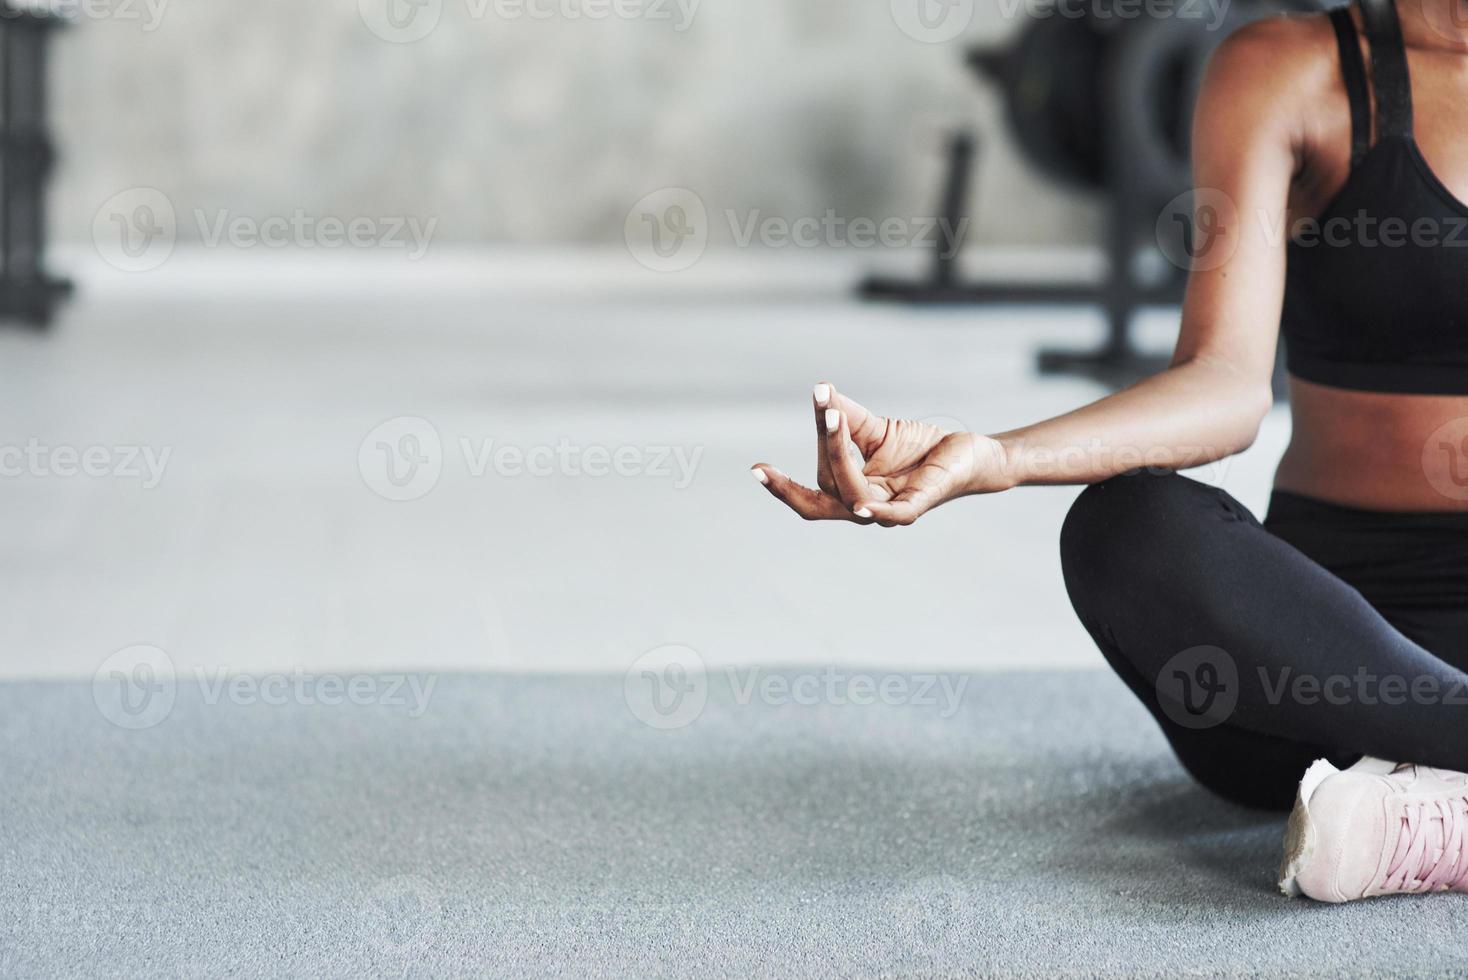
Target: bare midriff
point(1384, 452)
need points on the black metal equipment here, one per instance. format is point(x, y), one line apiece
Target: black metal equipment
point(1100, 101)
point(27, 292)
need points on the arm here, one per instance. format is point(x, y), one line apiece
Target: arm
point(1209, 404)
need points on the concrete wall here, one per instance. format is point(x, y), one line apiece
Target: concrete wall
point(509, 127)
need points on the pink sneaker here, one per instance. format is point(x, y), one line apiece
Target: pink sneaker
point(1376, 829)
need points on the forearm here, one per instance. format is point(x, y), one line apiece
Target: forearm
point(1193, 413)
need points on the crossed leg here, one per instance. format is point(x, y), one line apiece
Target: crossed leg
point(1187, 594)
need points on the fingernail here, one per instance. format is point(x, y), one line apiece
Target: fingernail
point(862, 512)
point(833, 420)
point(823, 394)
point(760, 475)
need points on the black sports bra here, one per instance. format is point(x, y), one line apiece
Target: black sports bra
point(1376, 295)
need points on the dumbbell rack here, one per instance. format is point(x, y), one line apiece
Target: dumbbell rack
point(27, 293)
point(1117, 361)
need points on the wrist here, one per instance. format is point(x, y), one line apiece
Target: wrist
point(996, 464)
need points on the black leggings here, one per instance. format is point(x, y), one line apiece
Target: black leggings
point(1327, 632)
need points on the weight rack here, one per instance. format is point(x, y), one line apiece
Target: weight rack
point(1117, 361)
point(27, 293)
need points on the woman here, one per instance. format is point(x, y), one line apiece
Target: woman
point(1337, 630)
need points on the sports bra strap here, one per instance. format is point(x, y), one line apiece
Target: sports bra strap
point(1353, 66)
point(1389, 72)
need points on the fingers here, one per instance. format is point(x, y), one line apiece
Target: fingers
point(846, 472)
point(821, 401)
point(809, 504)
point(928, 487)
point(900, 511)
point(866, 428)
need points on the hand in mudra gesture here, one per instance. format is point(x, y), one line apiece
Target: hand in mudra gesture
point(875, 470)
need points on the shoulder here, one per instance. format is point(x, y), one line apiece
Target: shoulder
point(1274, 69)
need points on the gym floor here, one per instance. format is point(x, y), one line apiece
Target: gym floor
point(498, 799)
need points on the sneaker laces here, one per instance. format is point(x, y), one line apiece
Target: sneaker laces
point(1432, 850)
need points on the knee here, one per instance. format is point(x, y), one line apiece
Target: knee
point(1117, 529)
